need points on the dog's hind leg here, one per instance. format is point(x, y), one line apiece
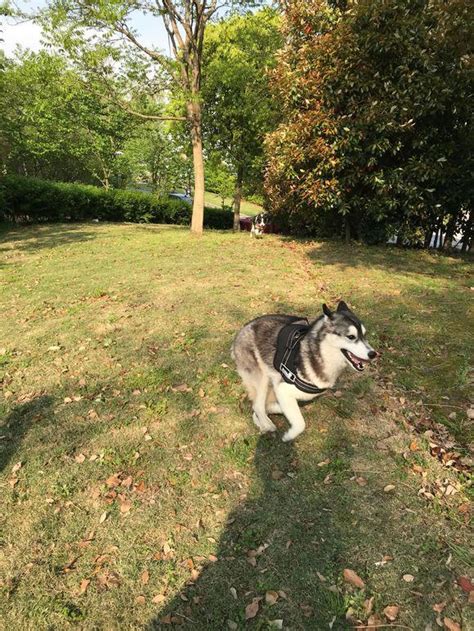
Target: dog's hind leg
point(272, 406)
point(290, 408)
point(260, 417)
point(248, 380)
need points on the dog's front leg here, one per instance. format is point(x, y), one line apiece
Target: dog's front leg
point(290, 408)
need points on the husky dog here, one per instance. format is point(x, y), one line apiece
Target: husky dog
point(283, 360)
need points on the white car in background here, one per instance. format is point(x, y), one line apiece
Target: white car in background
point(184, 197)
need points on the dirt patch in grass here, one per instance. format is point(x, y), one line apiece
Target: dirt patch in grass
point(137, 494)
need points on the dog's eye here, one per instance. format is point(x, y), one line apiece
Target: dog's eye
point(351, 337)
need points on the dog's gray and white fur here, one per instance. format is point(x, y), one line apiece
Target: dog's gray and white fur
point(335, 341)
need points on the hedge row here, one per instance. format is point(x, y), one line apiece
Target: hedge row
point(31, 200)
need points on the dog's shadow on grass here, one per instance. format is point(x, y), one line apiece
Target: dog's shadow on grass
point(263, 559)
point(15, 426)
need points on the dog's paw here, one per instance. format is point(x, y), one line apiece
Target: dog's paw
point(287, 436)
point(268, 427)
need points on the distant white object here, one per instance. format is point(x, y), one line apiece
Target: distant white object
point(456, 243)
point(95, 221)
point(184, 197)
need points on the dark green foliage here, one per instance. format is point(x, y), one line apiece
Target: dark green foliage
point(31, 200)
point(377, 134)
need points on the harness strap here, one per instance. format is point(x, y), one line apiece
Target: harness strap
point(288, 342)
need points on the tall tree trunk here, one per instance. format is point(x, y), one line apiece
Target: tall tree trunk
point(194, 117)
point(238, 197)
point(467, 233)
point(428, 235)
point(450, 231)
point(439, 245)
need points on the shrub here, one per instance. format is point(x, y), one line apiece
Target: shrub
point(218, 218)
point(31, 200)
point(377, 106)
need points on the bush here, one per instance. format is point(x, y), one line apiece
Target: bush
point(31, 200)
point(377, 106)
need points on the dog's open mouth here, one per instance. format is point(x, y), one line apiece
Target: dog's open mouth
point(356, 362)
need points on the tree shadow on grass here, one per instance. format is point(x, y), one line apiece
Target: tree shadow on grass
point(389, 258)
point(17, 423)
point(37, 237)
point(276, 541)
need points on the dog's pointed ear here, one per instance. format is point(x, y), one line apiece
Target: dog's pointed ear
point(327, 311)
point(342, 306)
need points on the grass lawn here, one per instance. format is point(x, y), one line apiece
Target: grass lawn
point(136, 492)
point(246, 208)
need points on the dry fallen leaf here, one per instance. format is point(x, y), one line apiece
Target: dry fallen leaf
point(113, 481)
point(140, 600)
point(391, 612)
point(127, 482)
point(276, 624)
point(233, 591)
point(84, 585)
point(125, 506)
point(451, 625)
point(351, 577)
point(414, 446)
point(438, 607)
point(388, 488)
point(145, 577)
point(182, 387)
point(108, 580)
point(103, 517)
point(139, 487)
point(271, 597)
point(374, 620)
point(252, 609)
point(465, 584)
point(408, 578)
point(159, 598)
point(369, 605)
point(80, 458)
point(16, 467)
point(232, 625)
point(361, 481)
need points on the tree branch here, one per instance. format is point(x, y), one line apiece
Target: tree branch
point(124, 30)
point(150, 116)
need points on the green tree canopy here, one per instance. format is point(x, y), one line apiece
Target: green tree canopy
point(238, 107)
point(56, 125)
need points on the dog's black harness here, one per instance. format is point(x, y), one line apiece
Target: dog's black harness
point(288, 341)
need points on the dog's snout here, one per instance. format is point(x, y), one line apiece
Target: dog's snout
point(372, 354)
